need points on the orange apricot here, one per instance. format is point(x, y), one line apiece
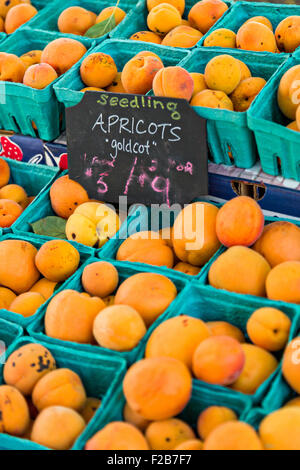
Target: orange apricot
point(269, 328)
point(204, 14)
point(291, 364)
point(63, 53)
point(91, 88)
point(98, 70)
point(27, 304)
point(212, 99)
point(44, 287)
point(179, 4)
point(6, 5)
point(134, 418)
point(167, 434)
point(108, 12)
point(191, 444)
point(222, 328)
point(9, 212)
point(280, 430)
point(255, 36)
point(288, 92)
point(116, 86)
point(173, 82)
point(12, 68)
point(283, 282)
point(31, 58)
point(57, 260)
point(90, 407)
point(246, 92)
point(16, 193)
point(187, 268)
point(100, 279)
point(212, 417)
point(182, 36)
point(287, 34)
point(7, 296)
point(222, 73)
point(66, 195)
point(139, 73)
point(262, 20)
point(293, 402)
point(75, 20)
point(199, 82)
point(117, 436)
point(4, 173)
point(233, 435)
point(221, 37)
point(14, 411)
point(17, 16)
point(146, 36)
point(39, 76)
point(163, 18)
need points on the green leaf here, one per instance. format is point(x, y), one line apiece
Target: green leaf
point(100, 29)
point(51, 226)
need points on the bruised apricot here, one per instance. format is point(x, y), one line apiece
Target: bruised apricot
point(134, 418)
point(9, 212)
point(167, 434)
point(27, 365)
point(75, 20)
point(98, 70)
point(221, 38)
point(4, 173)
point(288, 34)
point(204, 14)
point(245, 93)
point(179, 4)
point(283, 281)
point(269, 328)
point(280, 429)
point(173, 82)
point(108, 12)
point(255, 36)
point(212, 417)
point(139, 72)
point(39, 76)
point(13, 410)
point(16, 193)
point(148, 293)
point(177, 337)
point(57, 260)
point(17, 16)
point(291, 364)
point(117, 436)
point(146, 36)
point(44, 287)
point(182, 36)
point(63, 53)
point(66, 195)
point(12, 68)
point(100, 279)
point(222, 328)
point(116, 85)
point(149, 387)
point(233, 435)
point(212, 99)
point(7, 296)
point(90, 407)
point(163, 18)
point(27, 304)
point(187, 268)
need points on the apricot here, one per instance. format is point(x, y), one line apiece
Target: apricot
point(18, 271)
point(116, 86)
point(163, 18)
point(179, 4)
point(148, 293)
point(173, 82)
point(288, 91)
point(81, 229)
point(212, 417)
point(246, 73)
point(27, 365)
point(280, 429)
point(117, 436)
point(240, 221)
point(194, 233)
point(100, 279)
point(182, 36)
point(255, 36)
point(98, 70)
point(9, 212)
point(142, 248)
point(57, 260)
point(279, 242)
point(218, 360)
point(139, 72)
point(204, 14)
point(233, 435)
point(13, 410)
point(39, 76)
point(246, 91)
point(4, 173)
point(17, 16)
point(291, 364)
point(6, 5)
point(70, 316)
point(91, 88)
point(259, 365)
point(119, 328)
point(66, 195)
point(221, 38)
point(283, 281)
point(61, 387)
point(199, 82)
point(269, 328)
point(293, 402)
point(134, 418)
point(63, 53)
point(177, 337)
point(191, 444)
point(287, 34)
point(262, 20)
point(7, 296)
point(168, 433)
point(115, 11)
point(90, 407)
point(27, 304)
point(31, 58)
point(149, 387)
point(187, 268)
point(240, 270)
point(44, 287)
point(222, 328)
point(75, 20)
point(12, 68)
point(57, 427)
point(146, 36)
point(212, 99)
point(222, 73)
point(16, 193)
point(298, 118)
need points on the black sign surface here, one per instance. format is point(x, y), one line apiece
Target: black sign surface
point(152, 150)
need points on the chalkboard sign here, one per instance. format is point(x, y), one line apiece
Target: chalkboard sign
point(152, 150)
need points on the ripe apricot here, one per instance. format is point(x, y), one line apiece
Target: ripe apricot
point(66, 195)
point(57, 427)
point(173, 82)
point(61, 387)
point(280, 429)
point(39, 76)
point(187, 268)
point(119, 328)
point(240, 222)
point(16, 193)
point(12, 68)
point(148, 293)
point(100, 279)
point(298, 118)
point(240, 270)
point(221, 38)
point(218, 360)
point(293, 402)
point(288, 34)
point(17, 16)
point(31, 58)
point(283, 281)
point(269, 328)
point(233, 435)
point(139, 72)
point(4, 173)
point(177, 337)
point(179, 4)
point(222, 73)
point(7, 296)
point(246, 73)
point(212, 99)
point(259, 365)
point(70, 316)
point(44, 287)
point(255, 36)
point(117, 436)
point(245, 93)
point(134, 418)
point(163, 18)
point(293, 126)
point(149, 387)
point(9, 212)
point(75, 20)
point(182, 36)
point(204, 14)
point(191, 444)
point(6, 5)
point(115, 11)
point(199, 82)
point(262, 20)
point(194, 233)
point(146, 36)
point(63, 53)
point(27, 304)
point(91, 88)
point(222, 328)
point(90, 407)
point(57, 260)
point(116, 86)
point(98, 70)
point(14, 411)
point(212, 417)
point(168, 433)
point(287, 95)
point(18, 271)
point(291, 364)
point(27, 365)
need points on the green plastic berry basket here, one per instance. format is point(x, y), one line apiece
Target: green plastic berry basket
point(9, 332)
point(230, 140)
point(20, 105)
point(16, 317)
point(33, 178)
point(68, 88)
point(278, 147)
point(100, 376)
point(125, 271)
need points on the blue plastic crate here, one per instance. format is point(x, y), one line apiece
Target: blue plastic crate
point(9, 332)
point(100, 376)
